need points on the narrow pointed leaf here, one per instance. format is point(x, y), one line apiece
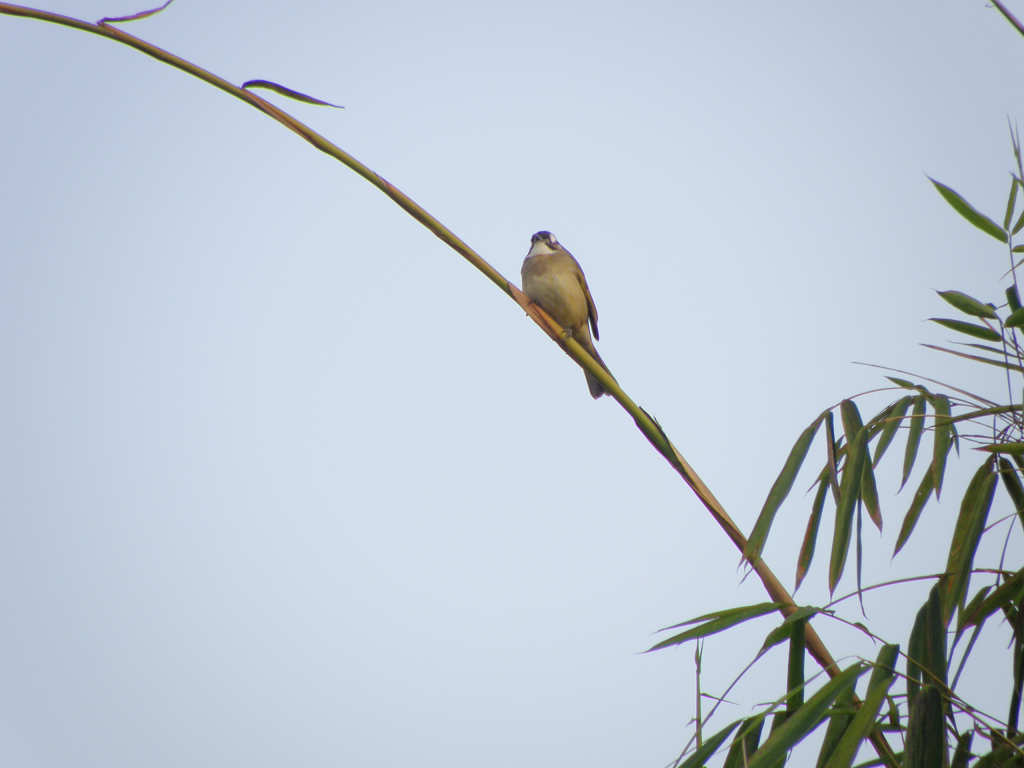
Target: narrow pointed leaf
point(970, 524)
point(745, 743)
point(913, 438)
point(965, 209)
point(963, 750)
point(1012, 484)
point(803, 560)
point(795, 668)
point(780, 489)
point(863, 722)
point(924, 490)
point(830, 454)
point(1016, 319)
point(291, 94)
point(1019, 225)
point(926, 731)
point(839, 720)
point(805, 719)
point(869, 491)
point(849, 493)
point(134, 16)
point(709, 747)
point(1001, 598)
point(1014, 449)
point(893, 419)
point(714, 623)
point(941, 440)
point(968, 304)
point(971, 329)
point(1012, 297)
point(784, 631)
point(1010, 202)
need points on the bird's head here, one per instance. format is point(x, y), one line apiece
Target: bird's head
point(544, 237)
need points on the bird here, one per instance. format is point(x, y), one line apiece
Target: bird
point(553, 280)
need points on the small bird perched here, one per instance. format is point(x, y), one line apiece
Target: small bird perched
point(552, 279)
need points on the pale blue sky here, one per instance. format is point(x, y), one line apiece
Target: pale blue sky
point(288, 482)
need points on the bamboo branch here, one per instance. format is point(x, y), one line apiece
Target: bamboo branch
point(644, 422)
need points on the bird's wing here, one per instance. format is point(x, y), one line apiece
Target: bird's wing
point(591, 307)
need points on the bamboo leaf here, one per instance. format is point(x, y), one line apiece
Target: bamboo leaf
point(803, 560)
point(1019, 225)
point(1012, 297)
point(134, 16)
point(709, 747)
point(913, 438)
point(1012, 484)
point(941, 440)
point(1010, 202)
point(849, 492)
point(1015, 449)
point(893, 419)
point(805, 719)
point(291, 94)
point(924, 490)
point(971, 329)
point(869, 491)
point(745, 743)
point(839, 720)
point(926, 732)
point(713, 623)
point(968, 304)
point(864, 721)
point(780, 489)
point(795, 668)
point(1016, 319)
point(965, 209)
point(963, 750)
point(970, 525)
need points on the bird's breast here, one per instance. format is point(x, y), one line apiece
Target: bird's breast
point(553, 285)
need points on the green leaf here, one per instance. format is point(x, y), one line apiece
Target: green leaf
point(913, 437)
point(971, 329)
point(1012, 484)
point(1012, 297)
point(1002, 597)
point(805, 719)
point(893, 418)
point(924, 490)
point(1010, 202)
point(965, 209)
point(968, 304)
point(709, 747)
point(784, 631)
point(795, 668)
point(849, 492)
point(863, 722)
point(285, 91)
point(869, 491)
point(941, 440)
point(963, 750)
point(1011, 448)
point(926, 731)
point(780, 489)
point(1016, 319)
point(970, 524)
point(803, 560)
point(1019, 225)
point(745, 743)
point(838, 721)
point(714, 622)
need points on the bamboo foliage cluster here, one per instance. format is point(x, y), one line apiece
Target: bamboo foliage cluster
point(934, 724)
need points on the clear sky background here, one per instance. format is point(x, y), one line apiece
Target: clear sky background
point(284, 481)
